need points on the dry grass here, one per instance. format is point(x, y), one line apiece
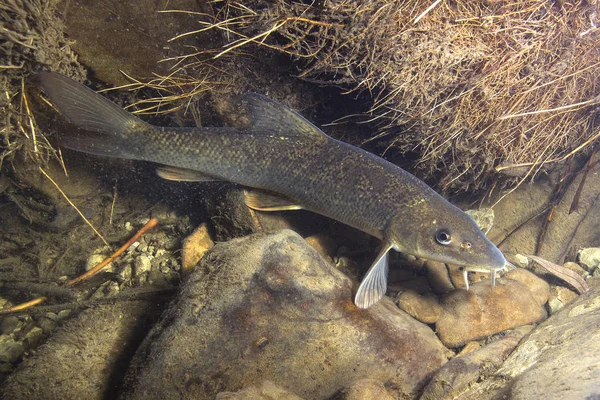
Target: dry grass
point(477, 88)
point(31, 37)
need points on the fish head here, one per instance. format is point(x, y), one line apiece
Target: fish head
point(450, 236)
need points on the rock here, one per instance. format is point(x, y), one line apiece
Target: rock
point(560, 296)
point(32, 338)
point(438, 277)
point(98, 257)
point(567, 228)
point(194, 248)
point(126, 273)
point(63, 314)
point(107, 289)
point(483, 311)
point(265, 391)
point(538, 287)
point(365, 389)
point(82, 359)
point(426, 309)
point(419, 284)
point(484, 218)
point(47, 325)
point(458, 280)
point(590, 258)
point(518, 260)
point(9, 324)
point(557, 360)
point(269, 307)
point(10, 350)
point(143, 265)
point(462, 371)
point(577, 268)
point(469, 348)
point(324, 244)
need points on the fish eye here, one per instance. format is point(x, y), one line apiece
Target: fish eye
point(443, 237)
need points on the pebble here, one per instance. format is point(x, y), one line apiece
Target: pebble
point(483, 311)
point(143, 265)
point(195, 247)
point(47, 325)
point(33, 338)
point(10, 350)
point(577, 268)
point(518, 260)
point(484, 218)
point(126, 273)
point(458, 280)
point(324, 244)
point(469, 348)
point(63, 314)
point(539, 287)
point(438, 277)
point(559, 297)
point(589, 258)
point(426, 309)
point(107, 289)
point(95, 259)
point(9, 324)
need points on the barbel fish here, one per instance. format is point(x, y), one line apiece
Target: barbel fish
point(295, 165)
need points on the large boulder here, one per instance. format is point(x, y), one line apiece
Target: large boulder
point(269, 307)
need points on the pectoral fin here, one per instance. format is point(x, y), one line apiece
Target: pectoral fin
point(182, 174)
point(374, 284)
point(261, 200)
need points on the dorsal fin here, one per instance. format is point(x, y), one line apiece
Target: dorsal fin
point(270, 117)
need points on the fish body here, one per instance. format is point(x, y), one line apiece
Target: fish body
point(283, 153)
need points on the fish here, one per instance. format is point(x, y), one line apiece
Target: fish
point(290, 164)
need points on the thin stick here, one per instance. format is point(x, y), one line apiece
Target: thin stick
point(30, 116)
point(149, 225)
point(424, 13)
point(581, 104)
point(112, 206)
point(23, 306)
point(73, 205)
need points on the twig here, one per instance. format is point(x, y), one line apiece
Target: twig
point(22, 306)
point(30, 116)
point(431, 7)
point(149, 225)
point(73, 205)
point(130, 295)
point(112, 206)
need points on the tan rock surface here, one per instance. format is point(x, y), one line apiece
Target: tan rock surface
point(483, 311)
point(268, 307)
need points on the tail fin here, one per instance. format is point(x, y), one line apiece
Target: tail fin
point(87, 109)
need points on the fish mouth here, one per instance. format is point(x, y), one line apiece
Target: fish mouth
point(499, 263)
